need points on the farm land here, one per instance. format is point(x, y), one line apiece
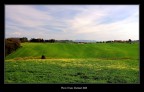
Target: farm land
point(93, 63)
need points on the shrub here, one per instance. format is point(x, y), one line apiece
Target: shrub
point(11, 44)
point(43, 57)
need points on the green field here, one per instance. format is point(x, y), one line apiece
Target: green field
point(73, 63)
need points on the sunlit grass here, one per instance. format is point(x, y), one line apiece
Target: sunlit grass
point(63, 50)
point(73, 63)
point(71, 71)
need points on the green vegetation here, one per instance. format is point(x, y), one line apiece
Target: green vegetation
point(73, 63)
point(63, 50)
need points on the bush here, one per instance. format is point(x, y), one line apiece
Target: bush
point(11, 44)
point(43, 57)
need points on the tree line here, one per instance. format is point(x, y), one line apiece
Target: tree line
point(41, 40)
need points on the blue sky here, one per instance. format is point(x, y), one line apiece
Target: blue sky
point(73, 22)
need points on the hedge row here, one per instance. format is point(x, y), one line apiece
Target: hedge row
point(11, 44)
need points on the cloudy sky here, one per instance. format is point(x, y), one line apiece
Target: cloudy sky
point(73, 22)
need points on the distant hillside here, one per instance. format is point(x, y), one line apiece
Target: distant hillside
point(85, 41)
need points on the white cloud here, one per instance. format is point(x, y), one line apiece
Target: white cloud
point(87, 22)
point(95, 22)
point(16, 33)
point(26, 15)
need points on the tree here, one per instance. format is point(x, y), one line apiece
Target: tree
point(11, 44)
point(52, 40)
point(24, 39)
point(36, 40)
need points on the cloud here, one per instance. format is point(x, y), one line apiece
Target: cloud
point(123, 24)
point(88, 22)
point(25, 14)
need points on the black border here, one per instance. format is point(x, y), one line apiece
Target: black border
point(57, 87)
point(2, 48)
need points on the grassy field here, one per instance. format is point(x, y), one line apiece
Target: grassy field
point(73, 63)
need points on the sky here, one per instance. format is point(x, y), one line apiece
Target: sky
point(73, 22)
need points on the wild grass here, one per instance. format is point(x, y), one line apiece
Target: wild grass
point(102, 63)
point(71, 71)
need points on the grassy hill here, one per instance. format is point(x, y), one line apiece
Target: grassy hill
point(73, 63)
point(63, 50)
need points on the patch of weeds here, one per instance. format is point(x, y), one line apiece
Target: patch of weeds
point(116, 79)
point(81, 75)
